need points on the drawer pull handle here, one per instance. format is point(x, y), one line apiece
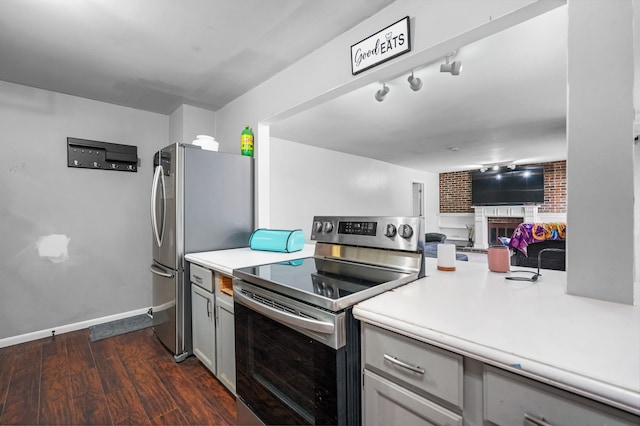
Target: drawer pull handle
point(536, 421)
point(402, 364)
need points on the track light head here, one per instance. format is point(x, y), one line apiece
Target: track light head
point(454, 67)
point(414, 82)
point(483, 169)
point(380, 94)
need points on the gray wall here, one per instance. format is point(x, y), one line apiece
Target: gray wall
point(101, 217)
point(340, 184)
point(599, 132)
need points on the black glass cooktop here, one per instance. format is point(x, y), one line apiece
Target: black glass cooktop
point(325, 283)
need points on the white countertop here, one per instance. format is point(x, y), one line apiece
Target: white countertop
point(584, 345)
point(226, 261)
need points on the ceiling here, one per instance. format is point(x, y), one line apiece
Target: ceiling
point(156, 55)
point(508, 104)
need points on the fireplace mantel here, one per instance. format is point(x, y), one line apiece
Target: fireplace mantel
point(528, 213)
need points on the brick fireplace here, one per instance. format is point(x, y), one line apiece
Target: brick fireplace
point(494, 221)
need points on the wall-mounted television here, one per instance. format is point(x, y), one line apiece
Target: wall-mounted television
point(523, 185)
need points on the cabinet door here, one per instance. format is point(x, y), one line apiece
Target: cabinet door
point(203, 326)
point(386, 403)
point(510, 399)
point(225, 345)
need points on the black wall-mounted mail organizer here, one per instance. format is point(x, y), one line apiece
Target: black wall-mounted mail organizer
point(87, 154)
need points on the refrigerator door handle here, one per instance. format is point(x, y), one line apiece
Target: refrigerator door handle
point(154, 269)
point(158, 178)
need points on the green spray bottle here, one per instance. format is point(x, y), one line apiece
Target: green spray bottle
point(246, 142)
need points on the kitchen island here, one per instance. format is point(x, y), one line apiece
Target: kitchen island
point(584, 346)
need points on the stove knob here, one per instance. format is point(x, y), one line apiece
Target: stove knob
point(390, 231)
point(317, 226)
point(405, 231)
point(328, 227)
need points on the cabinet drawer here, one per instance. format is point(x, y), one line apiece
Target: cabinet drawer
point(418, 366)
point(510, 399)
point(201, 277)
point(386, 403)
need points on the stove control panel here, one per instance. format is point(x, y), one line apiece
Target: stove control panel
point(397, 232)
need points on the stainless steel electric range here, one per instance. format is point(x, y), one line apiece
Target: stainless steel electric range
point(297, 342)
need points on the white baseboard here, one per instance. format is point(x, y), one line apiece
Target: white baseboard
point(14, 340)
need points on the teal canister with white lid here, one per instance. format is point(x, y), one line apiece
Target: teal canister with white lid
point(284, 241)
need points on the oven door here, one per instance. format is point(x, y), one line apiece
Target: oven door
point(285, 375)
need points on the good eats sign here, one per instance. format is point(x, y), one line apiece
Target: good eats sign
point(386, 44)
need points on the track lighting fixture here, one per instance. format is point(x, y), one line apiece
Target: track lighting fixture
point(414, 82)
point(380, 94)
point(454, 67)
point(496, 167)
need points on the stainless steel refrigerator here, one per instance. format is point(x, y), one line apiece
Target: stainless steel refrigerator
point(200, 201)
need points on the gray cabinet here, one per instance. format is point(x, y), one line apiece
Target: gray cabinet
point(212, 323)
point(203, 316)
point(388, 403)
point(409, 382)
point(225, 336)
point(510, 399)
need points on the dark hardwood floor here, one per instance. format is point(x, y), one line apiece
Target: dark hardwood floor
point(126, 379)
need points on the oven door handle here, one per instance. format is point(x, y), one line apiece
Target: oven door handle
point(284, 317)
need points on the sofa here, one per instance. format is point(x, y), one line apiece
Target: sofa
point(431, 241)
point(529, 239)
point(549, 260)
point(434, 237)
